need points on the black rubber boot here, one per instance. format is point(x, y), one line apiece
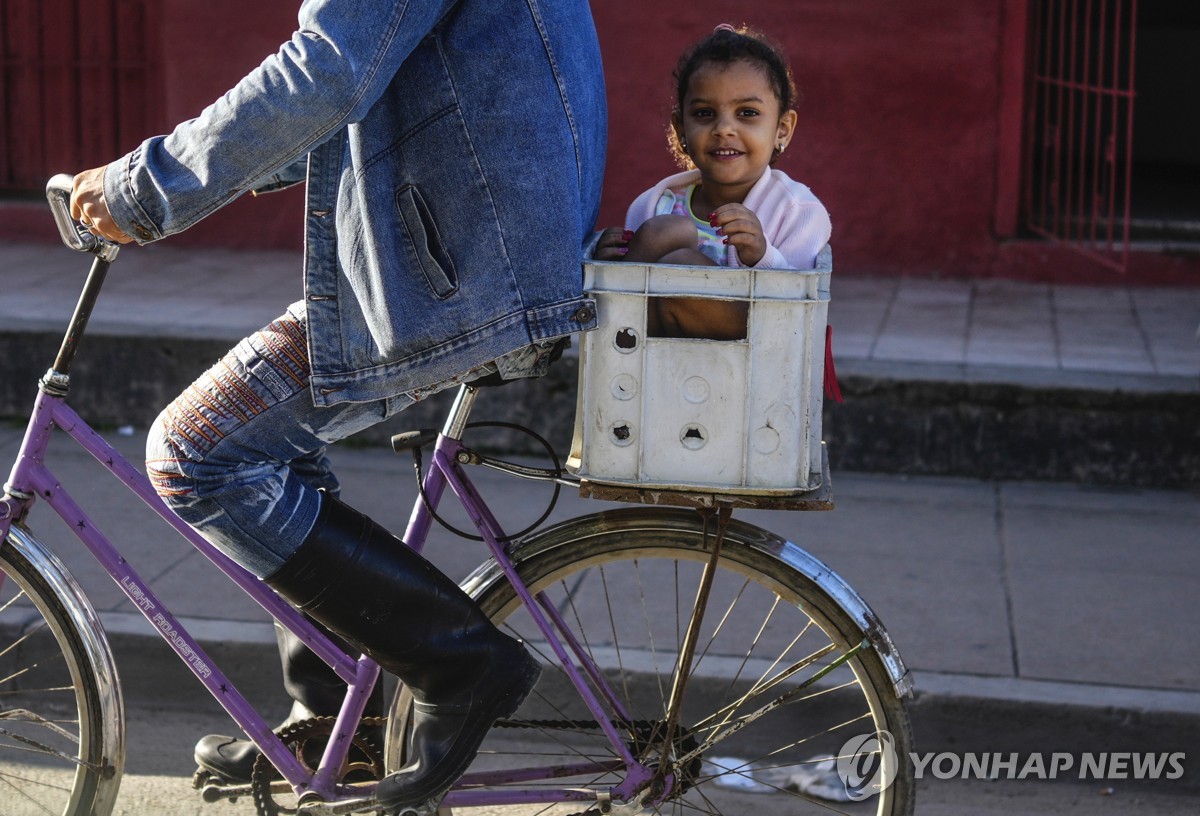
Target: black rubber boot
point(316, 691)
point(366, 585)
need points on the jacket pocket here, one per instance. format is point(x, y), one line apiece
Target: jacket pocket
point(428, 250)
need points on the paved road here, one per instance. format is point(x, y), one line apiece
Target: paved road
point(158, 782)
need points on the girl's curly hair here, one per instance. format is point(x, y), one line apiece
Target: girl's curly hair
point(724, 46)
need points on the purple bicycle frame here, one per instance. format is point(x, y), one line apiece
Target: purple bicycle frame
point(447, 472)
point(31, 479)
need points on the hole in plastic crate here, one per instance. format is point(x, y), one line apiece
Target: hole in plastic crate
point(693, 437)
point(622, 433)
point(697, 318)
point(626, 340)
point(624, 387)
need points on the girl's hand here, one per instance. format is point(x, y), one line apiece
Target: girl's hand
point(613, 244)
point(742, 230)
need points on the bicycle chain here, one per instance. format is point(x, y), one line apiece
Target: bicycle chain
point(645, 731)
point(264, 773)
point(579, 725)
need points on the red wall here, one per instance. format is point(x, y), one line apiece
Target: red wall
point(207, 48)
point(896, 119)
point(899, 131)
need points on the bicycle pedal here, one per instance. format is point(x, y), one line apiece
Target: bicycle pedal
point(215, 789)
point(426, 808)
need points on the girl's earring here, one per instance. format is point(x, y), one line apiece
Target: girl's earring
point(780, 148)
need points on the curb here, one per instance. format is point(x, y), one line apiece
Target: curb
point(1016, 425)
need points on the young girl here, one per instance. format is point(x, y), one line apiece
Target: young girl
point(730, 208)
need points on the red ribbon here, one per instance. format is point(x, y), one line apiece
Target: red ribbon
point(832, 391)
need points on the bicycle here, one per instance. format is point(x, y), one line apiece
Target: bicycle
point(686, 654)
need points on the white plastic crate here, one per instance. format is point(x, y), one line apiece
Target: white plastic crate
point(740, 417)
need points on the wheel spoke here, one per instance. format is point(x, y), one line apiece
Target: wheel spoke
point(760, 687)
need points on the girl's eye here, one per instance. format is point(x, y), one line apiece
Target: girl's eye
point(702, 113)
point(748, 112)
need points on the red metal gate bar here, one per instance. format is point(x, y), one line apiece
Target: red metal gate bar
point(1081, 138)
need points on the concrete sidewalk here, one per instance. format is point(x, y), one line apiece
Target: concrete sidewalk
point(1007, 596)
point(1142, 337)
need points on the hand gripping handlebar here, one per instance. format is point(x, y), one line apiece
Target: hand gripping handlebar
point(73, 234)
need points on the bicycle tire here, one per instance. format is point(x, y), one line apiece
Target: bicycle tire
point(650, 560)
point(52, 715)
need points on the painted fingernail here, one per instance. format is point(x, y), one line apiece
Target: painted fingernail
point(627, 234)
point(623, 250)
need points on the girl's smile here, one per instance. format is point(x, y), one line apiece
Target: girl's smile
point(731, 125)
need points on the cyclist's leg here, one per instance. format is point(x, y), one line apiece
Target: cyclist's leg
point(240, 453)
point(220, 457)
point(315, 689)
point(255, 383)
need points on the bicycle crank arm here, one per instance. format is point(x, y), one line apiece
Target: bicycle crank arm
point(361, 804)
point(364, 804)
point(214, 792)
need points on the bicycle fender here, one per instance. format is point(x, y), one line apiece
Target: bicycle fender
point(688, 525)
point(99, 654)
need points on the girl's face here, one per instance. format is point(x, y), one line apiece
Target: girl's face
point(730, 125)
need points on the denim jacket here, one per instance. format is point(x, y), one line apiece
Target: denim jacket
point(455, 151)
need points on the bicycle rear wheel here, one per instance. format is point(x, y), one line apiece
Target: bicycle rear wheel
point(52, 717)
point(782, 676)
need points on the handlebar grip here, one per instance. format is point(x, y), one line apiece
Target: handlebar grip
point(73, 234)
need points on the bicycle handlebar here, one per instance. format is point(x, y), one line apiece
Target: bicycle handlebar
point(73, 234)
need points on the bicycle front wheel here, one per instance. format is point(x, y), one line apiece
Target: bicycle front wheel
point(781, 682)
point(52, 703)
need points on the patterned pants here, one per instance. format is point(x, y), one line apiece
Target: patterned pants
point(241, 454)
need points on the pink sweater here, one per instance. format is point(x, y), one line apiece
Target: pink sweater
point(794, 221)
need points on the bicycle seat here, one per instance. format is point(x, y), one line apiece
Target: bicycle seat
point(494, 379)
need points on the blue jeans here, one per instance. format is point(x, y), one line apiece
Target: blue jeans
point(240, 454)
